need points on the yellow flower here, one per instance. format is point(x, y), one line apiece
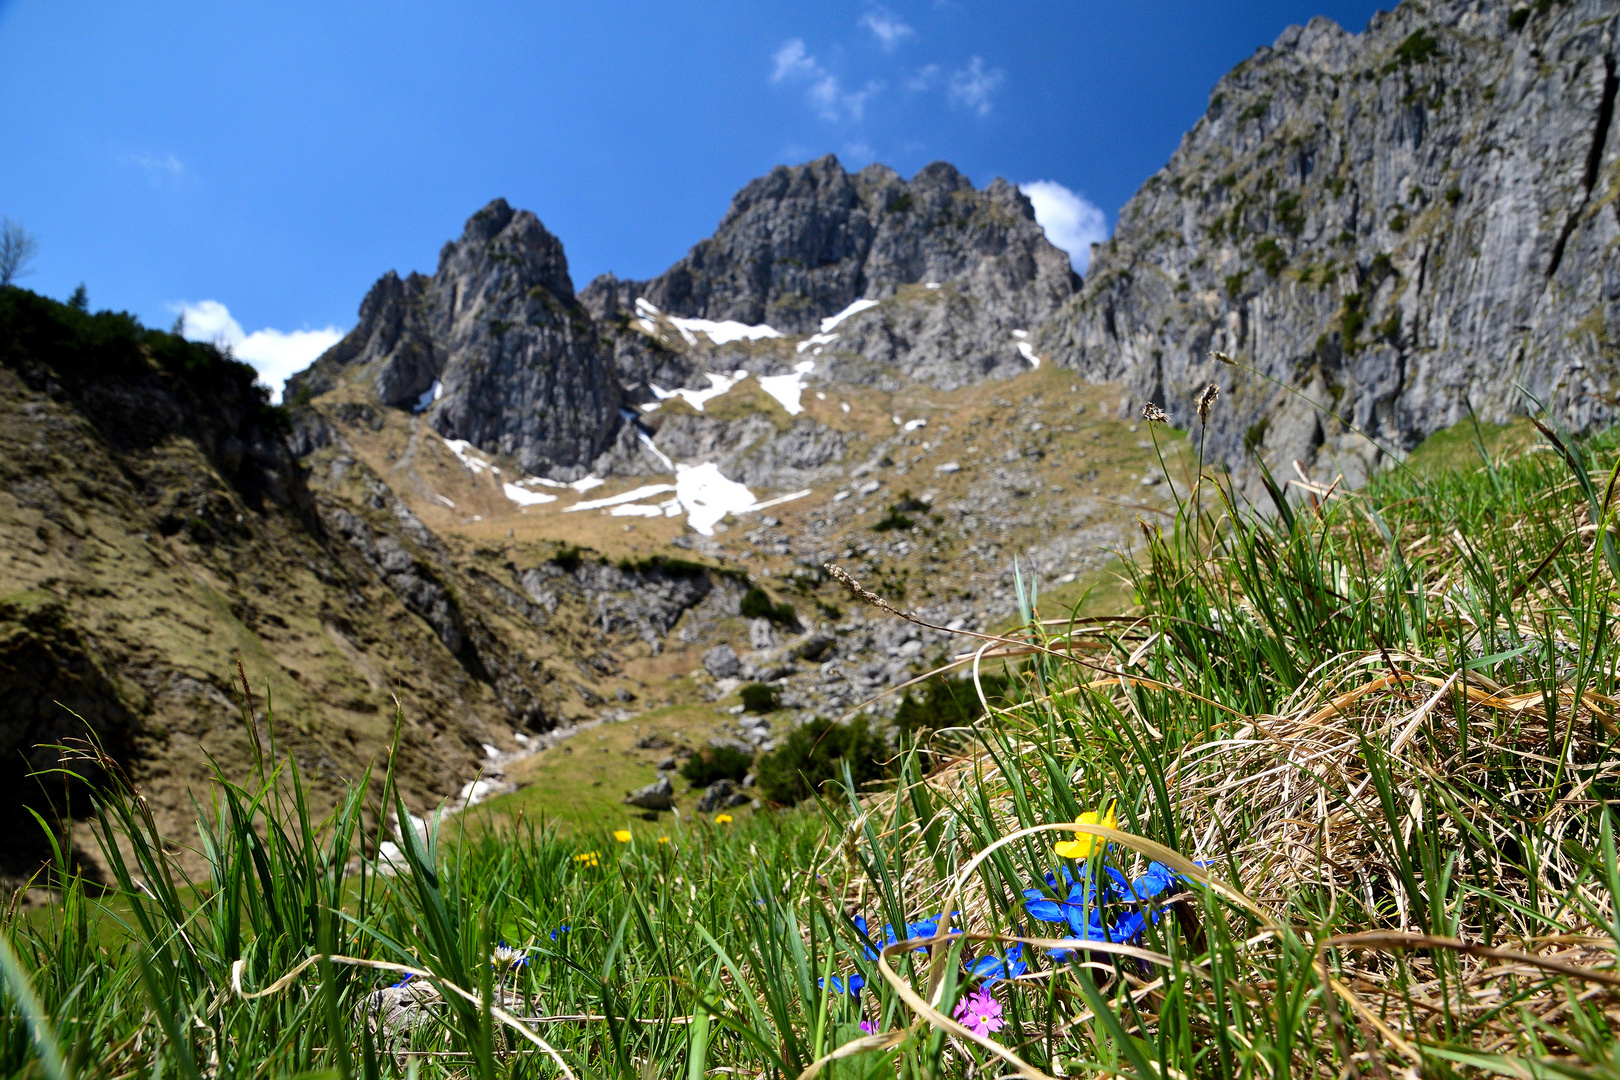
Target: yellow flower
point(722, 819)
point(622, 835)
point(663, 839)
point(588, 858)
point(1081, 846)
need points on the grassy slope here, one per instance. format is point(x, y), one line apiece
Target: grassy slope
point(1390, 719)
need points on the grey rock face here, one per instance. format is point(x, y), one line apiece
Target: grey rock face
point(517, 357)
point(523, 372)
point(658, 795)
point(721, 794)
point(392, 337)
point(415, 565)
point(1397, 225)
point(803, 242)
point(721, 662)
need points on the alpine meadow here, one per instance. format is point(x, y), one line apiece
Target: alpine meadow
point(871, 648)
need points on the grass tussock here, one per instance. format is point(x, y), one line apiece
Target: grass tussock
point(1335, 802)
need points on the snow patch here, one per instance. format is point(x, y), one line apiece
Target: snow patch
point(708, 496)
point(637, 510)
point(646, 440)
point(1020, 334)
point(721, 333)
point(931, 285)
point(816, 339)
point(788, 388)
point(464, 453)
point(440, 498)
point(854, 309)
point(626, 497)
point(1029, 354)
point(582, 486)
point(526, 498)
point(718, 384)
point(913, 425)
point(701, 491)
point(429, 396)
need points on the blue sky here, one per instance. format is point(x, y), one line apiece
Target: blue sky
point(275, 159)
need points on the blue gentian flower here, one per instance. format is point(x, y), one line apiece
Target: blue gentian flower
point(1082, 902)
point(1158, 880)
point(856, 984)
point(1088, 915)
point(562, 929)
point(402, 982)
point(927, 928)
point(991, 969)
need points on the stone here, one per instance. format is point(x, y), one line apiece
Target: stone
point(717, 795)
point(721, 662)
point(658, 795)
point(814, 646)
point(760, 634)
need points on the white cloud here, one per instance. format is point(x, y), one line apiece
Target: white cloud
point(832, 102)
point(972, 86)
point(886, 27)
point(924, 78)
point(167, 165)
point(1070, 221)
point(792, 61)
point(275, 354)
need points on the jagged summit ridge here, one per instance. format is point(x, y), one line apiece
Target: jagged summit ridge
point(803, 242)
point(959, 269)
point(495, 347)
point(1401, 225)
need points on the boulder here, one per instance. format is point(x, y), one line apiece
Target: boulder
point(721, 662)
point(717, 795)
point(658, 795)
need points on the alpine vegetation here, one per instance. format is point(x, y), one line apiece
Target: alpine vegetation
point(1333, 799)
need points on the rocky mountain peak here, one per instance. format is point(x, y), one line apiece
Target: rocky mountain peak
point(803, 242)
point(495, 348)
point(1395, 230)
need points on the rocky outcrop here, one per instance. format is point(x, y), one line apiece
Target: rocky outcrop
point(1400, 226)
point(495, 348)
point(804, 242)
point(393, 339)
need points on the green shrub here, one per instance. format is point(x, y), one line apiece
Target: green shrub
point(1271, 256)
point(1418, 47)
point(757, 604)
point(568, 558)
point(948, 702)
point(894, 519)
point(717, 763)
point(758, 698)
point(815, 753)
point(683, 568)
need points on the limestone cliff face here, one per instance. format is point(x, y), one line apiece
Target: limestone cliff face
point(1398, 225)
point(803, 242)
point(494, 346)
point(392, 338)
point(524, 373)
